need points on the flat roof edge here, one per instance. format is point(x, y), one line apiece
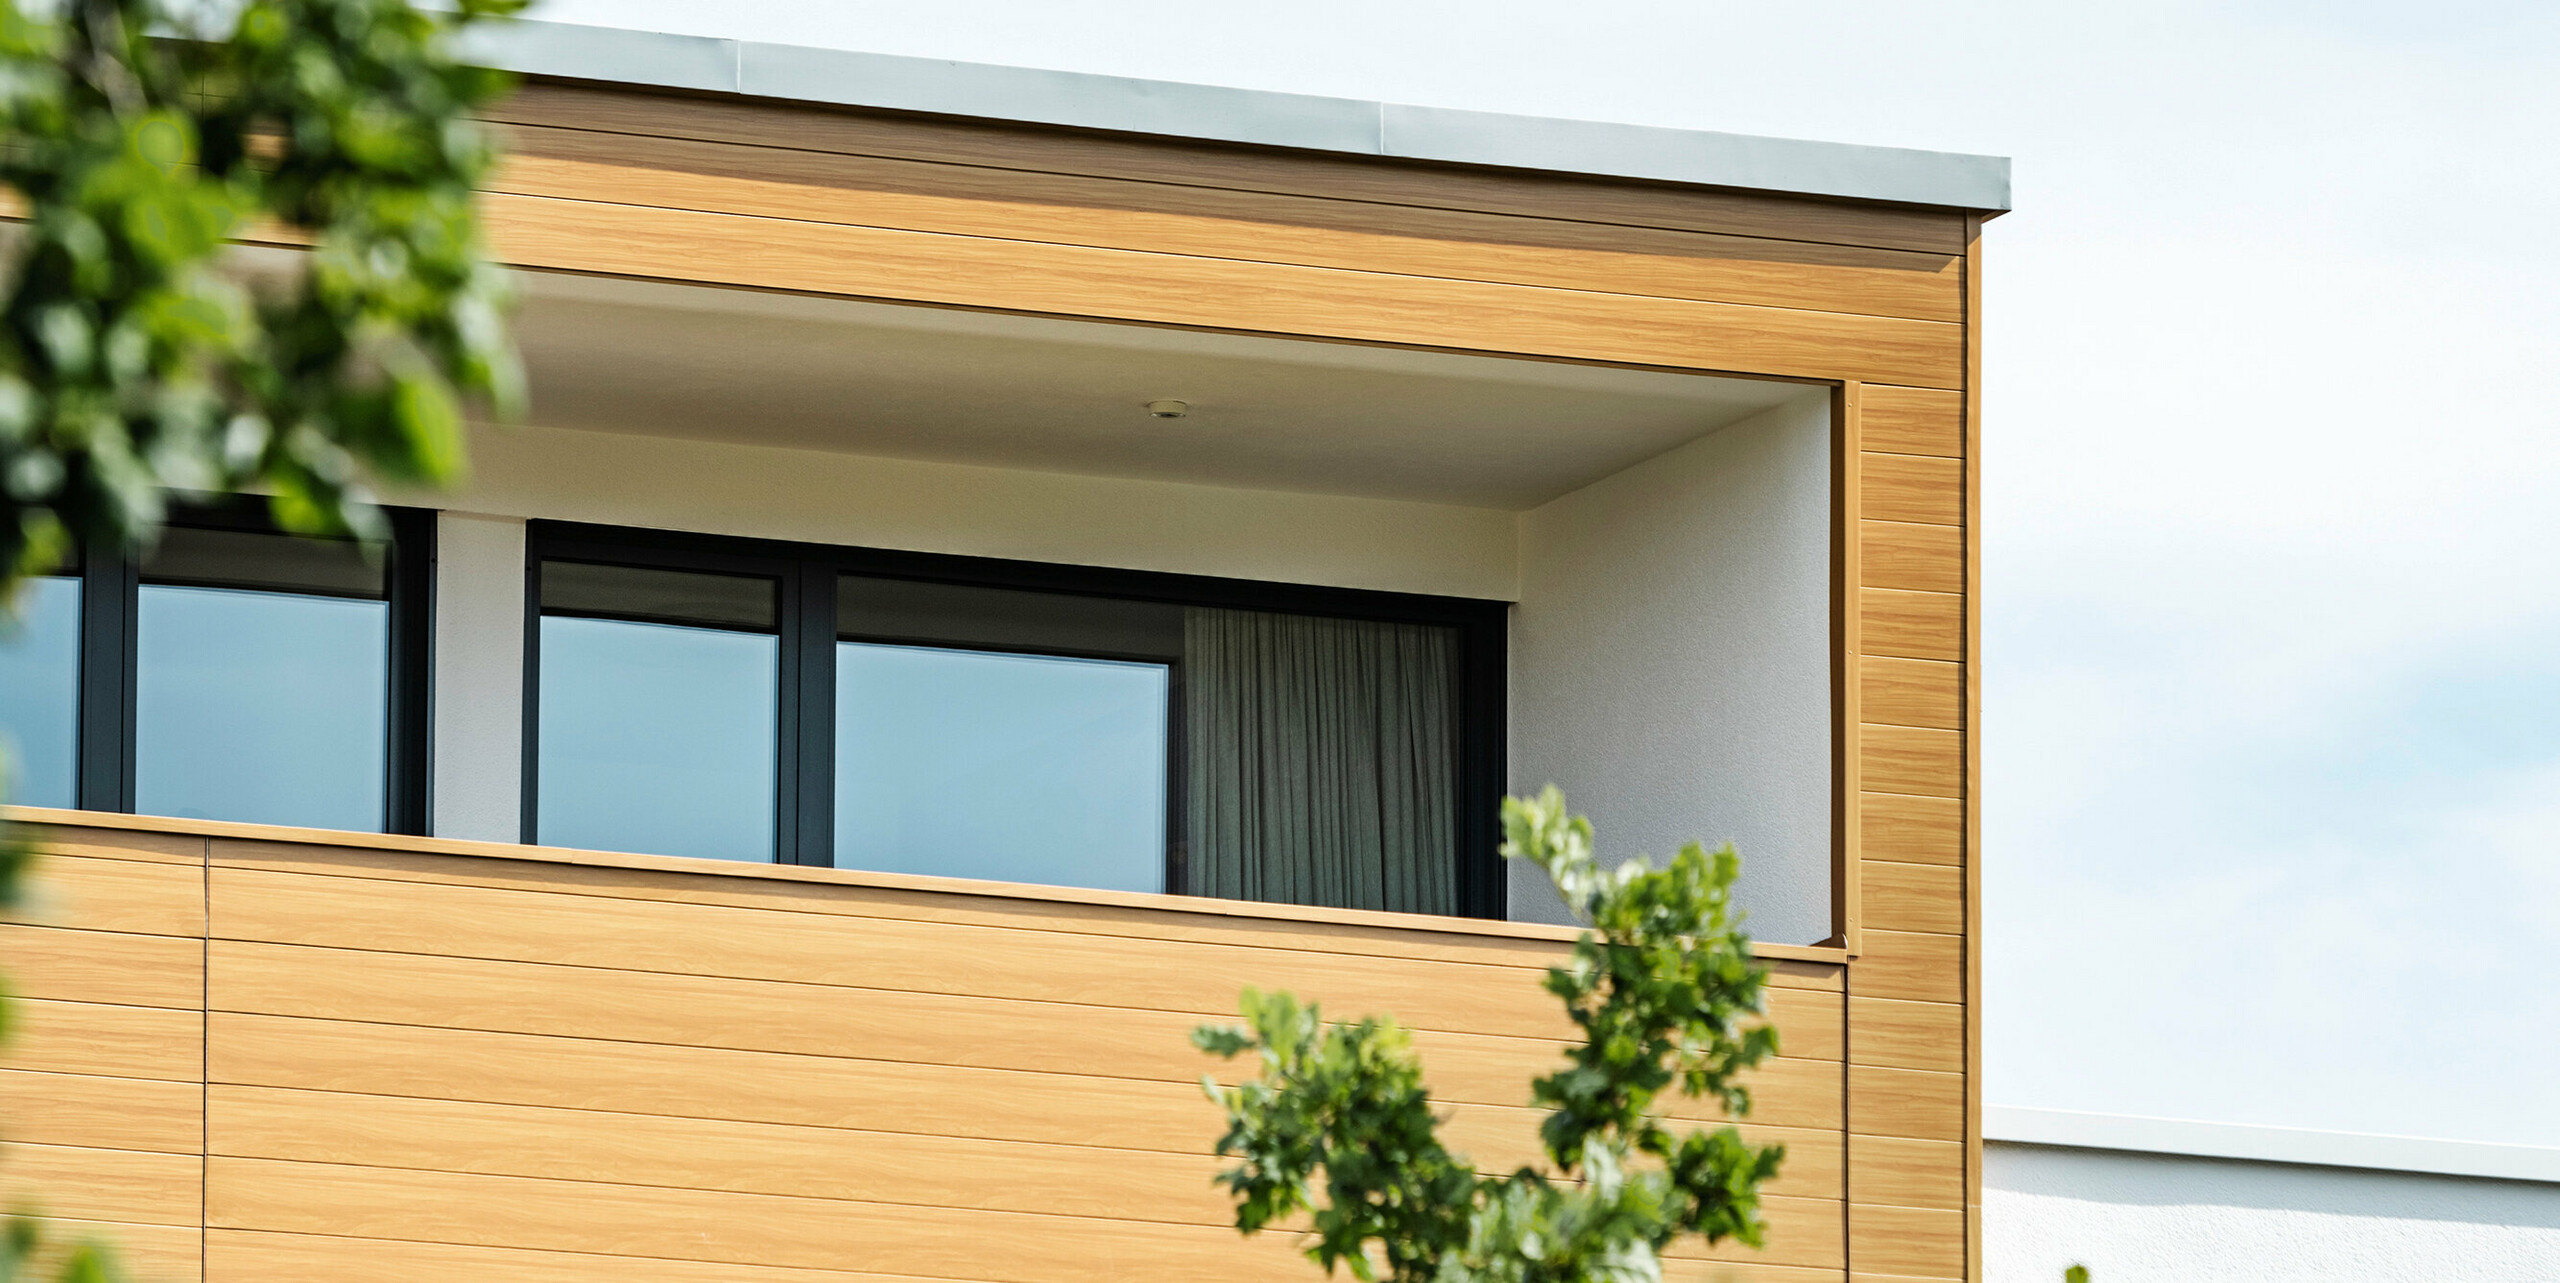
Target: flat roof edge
point(1212, 113)
point(2072, 1129)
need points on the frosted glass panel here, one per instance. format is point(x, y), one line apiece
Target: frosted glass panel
point(1017, 768)
point(40, 694)
point(267, 707)
point(657, 738)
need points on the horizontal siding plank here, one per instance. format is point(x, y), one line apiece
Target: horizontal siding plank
point(104, 966)
point(1907, 1035)
point(766, 253)
point(1190, 977)
point(1211, 222)
point(774, 1230)
point(765, 1158)
point(808, 1019)
point(96, 1112)
point(323, 1258)
point(854, 1095)
point(103, 1184)
point(1910, 556)
point(1911, 759)
point(1927, 421)
point(143, 896)
point(1242, 169)
point(149, 1253)
point(1911, 692)
point(1913, 625)
point(1913, 897)
point(1912, 830)
point(1910, 487)
point(116, 844)
point(118, 1042)
point(1913, 965)
point(840, 900)
point(711, 940)
point(1910, 1241)
point(1906, 1172)
point(1906, 1102)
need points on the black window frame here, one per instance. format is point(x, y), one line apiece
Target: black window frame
point(110, 589)
point(806, 574)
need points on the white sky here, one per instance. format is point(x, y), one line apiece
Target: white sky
point(2273, 488)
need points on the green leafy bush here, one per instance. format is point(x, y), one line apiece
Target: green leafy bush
point(1338, 1124)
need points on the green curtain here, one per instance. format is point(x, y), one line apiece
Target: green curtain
point(1322, 760)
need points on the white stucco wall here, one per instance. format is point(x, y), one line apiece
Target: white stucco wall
point(1670, 649)
point(2162, 1218)
point(819, 496)
point(1670, 662)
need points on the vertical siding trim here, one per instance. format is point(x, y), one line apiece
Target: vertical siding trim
point(1972, 677)
point(1848, 445)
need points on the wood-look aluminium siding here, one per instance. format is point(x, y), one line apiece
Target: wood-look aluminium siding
point(408, 1060)
point(369, 1060)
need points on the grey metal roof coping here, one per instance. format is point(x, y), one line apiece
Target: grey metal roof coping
point(1305, 121)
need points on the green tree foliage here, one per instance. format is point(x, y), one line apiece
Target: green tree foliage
point(137, 356)
point(141, 354)
point(1338, 1124)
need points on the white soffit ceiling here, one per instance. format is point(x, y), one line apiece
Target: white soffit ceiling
point(1067, 396)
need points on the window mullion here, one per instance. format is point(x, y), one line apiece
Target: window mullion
point(108, 587)
point(808, 714)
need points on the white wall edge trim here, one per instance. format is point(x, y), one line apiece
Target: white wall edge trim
point(2072, 1129)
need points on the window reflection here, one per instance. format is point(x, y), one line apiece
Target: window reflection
point(40, 694)
point(261, 681)
point(657, 712)
point(1014, 767)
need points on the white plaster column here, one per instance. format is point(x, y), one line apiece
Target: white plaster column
point(478, 682)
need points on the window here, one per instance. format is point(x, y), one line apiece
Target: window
point(233, 673)
point(1010, 721)
point(40, 693)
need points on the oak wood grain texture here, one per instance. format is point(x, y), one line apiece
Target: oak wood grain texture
point(269, 1257)
point(1848, 675)
point(1912, 557)
point(1215, 222)
point(96, 1112)
point(1916, 1241)
point(150, 1253)
point(1240, 168)
point(1186, 976)
point(851, 893)
point(1910, 487)
point(1913, 965)
point(766, 1158)
point(144, 896)
point(871, 1024)
point(1908, 1035)
point(1913, 1103)
point(97, 1038)
point(792, 1231)
point(1908, 420)
point(1906, 1172)
point(114, 841)
point(1912, 625)
point(1912, 829)
point(1285, 299)
point(1911, 692)
point(1973, 1255)
point(1913, 759)
point(1914, 897)
point(104, 966)
point(104, 1184)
